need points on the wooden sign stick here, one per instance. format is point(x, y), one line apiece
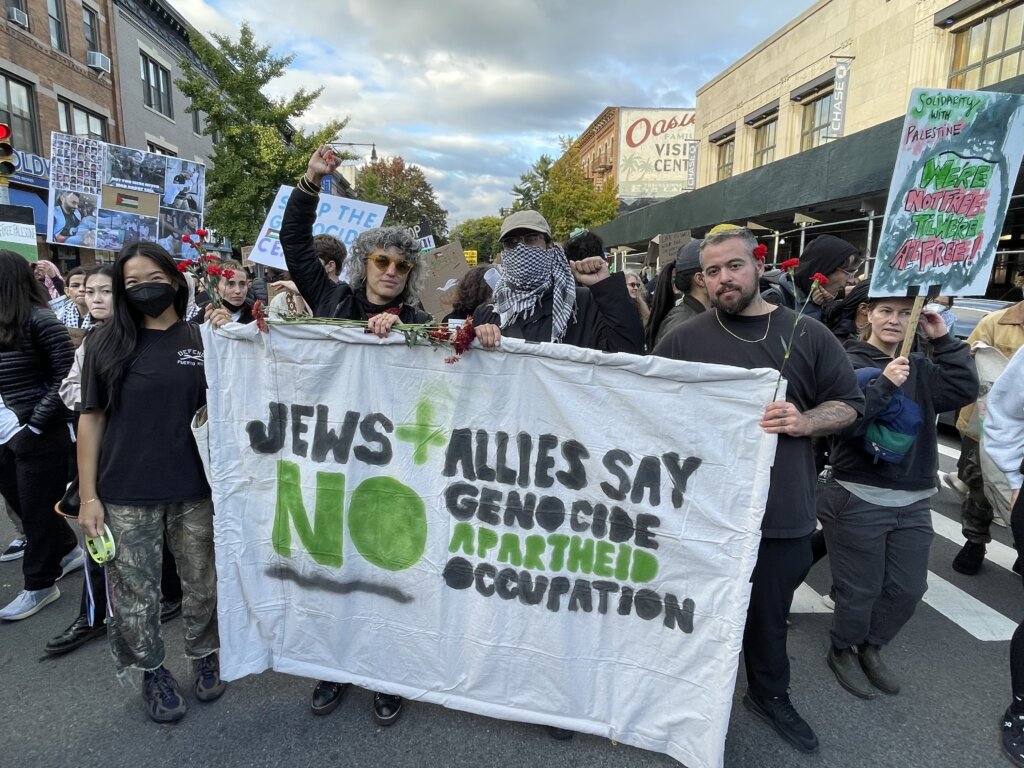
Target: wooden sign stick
point(915, 315)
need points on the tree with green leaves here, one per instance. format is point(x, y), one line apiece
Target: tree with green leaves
point(404, 189)
point(570, 200)
point(257, 148)
point(480, 235)
point(532, 185)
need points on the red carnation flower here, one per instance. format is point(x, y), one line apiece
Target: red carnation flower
point(183, 266)
point(760, 251)
point(211, 258)
point(186, 239)
point(213, 269)
point(819, 278)
point(228, 274)
point(202, 232)
point(789, 264)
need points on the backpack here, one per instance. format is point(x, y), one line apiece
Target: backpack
point(774, 291)
point(890, 435)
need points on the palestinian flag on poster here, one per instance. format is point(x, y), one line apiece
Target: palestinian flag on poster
point(274, 234)
point(125, 200)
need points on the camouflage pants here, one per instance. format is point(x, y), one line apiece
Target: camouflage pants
point(975, 511)
point(133, 580)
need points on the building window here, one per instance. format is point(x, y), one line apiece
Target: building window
point(197, 122)
point(16, 100)
point(81, 122)
point(725, 155)
point(815, 122)
point(160, 150)
point(764, 142)
point(91, 27)
point(156, 86)
point(58, 26)
point(990, 51)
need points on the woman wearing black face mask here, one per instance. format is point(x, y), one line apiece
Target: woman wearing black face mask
point(141, 475)
point(236, 301)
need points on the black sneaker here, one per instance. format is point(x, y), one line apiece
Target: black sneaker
point(209, 686)
point(326, 697)
point(163, 698)
point(1013, 737)
point(969, 559)
point(561, 734)
point(386, 708)
point(779, 713)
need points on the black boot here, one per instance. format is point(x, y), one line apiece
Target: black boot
point(326, 697)
point(79, 633)
point(386, 708)
point(969, 559)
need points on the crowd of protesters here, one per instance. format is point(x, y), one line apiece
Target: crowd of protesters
point(857, 444)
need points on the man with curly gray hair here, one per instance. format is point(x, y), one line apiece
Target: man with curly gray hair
point(385, 277)
point(385, 270)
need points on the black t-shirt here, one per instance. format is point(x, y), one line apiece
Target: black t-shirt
point(818, 370)
point(148, 455)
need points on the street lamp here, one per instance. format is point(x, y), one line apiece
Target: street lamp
point(373, 153)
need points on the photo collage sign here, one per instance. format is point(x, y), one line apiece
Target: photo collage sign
point(106, 196)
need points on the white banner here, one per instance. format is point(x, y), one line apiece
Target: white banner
point(340, 217)
point(543, 534)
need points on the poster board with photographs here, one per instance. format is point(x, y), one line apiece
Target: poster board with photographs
point(18, 230)
point(106, 196)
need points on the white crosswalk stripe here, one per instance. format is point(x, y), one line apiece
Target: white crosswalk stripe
point(968, 612)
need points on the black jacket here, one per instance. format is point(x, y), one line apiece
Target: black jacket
point(945, 383)
point(325, 298)
point(606, 319)
point(30, 376)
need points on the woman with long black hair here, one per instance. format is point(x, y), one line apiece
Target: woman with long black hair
point(140, 474)
point(35, 355)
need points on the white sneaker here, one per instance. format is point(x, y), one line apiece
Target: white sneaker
point(954, 482)
point(72, 561)
point(14, 550)
point(28, 602)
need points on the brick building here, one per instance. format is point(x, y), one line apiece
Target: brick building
point(56, 74)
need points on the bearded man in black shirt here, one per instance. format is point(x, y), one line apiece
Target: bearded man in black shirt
point(822, 397)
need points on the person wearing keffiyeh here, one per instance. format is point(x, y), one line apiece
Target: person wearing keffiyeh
point(541, 297)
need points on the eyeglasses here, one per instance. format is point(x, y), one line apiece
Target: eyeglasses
point(632, 285)
point(533, 239)
point(851, 272)
point(382, 262)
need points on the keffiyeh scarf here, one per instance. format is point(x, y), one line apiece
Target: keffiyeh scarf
point(527, 274)
point(70, 317)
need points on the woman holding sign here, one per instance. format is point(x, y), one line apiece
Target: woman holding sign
point(874, 508)
point(385, 275)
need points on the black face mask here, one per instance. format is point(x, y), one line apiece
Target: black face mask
point(151, 298)
point(232, 307)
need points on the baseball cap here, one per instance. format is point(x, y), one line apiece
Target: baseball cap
point(530, 220)
point(688, 258)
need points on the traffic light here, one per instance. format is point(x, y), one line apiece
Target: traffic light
point(6, 151)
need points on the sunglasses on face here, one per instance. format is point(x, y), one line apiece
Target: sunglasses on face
point(633, 285)
point(382, 262)
point(534, 240)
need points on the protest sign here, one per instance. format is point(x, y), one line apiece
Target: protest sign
point(340, 217)
point(18, 230)
point(507, 535)
point(443, 265)
point(106, 196)
point(958, 158)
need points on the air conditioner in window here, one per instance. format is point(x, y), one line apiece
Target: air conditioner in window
point(96, 60)
point(18, 16)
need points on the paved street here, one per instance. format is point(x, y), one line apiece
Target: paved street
point(71, 711)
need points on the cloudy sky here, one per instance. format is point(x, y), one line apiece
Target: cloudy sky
point(474, 91)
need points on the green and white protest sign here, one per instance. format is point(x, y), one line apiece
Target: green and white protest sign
point(18, 230)
point(959, 154)
point(507, 535)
